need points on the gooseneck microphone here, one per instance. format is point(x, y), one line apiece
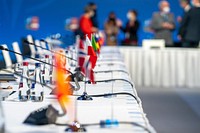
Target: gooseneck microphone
point(75, 77)
point(77, 74)
point(27, 42)
point(108, 71)
point(44, 115)
point(2, 48)
point(110, 80)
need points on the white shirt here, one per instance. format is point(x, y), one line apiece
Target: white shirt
point(187, 8)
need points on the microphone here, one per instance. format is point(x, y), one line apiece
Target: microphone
point(42, 40)
point(79, 76)
point(32, 80)
point(27, 42)
point(44, 115)
point(75, 77)
point(108, 71)
point(110, 80)
point(2, 48)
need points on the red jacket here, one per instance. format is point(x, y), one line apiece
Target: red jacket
point(86, 26)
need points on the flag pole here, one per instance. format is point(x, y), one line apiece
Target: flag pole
point(75, 126)
point(85, 90)
point(85, 96)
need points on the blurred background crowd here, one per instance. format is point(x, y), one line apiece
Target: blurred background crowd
point(162, 25)
point(121, 22)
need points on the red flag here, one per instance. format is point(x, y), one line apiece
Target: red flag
point(91, 76)
point(91, 62)
point(91, 53)
point(89, 71)
point(82, 53)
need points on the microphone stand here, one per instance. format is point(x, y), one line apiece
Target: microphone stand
point(44, 115)
point(109, 80)
point(73, 75)
point(27, 42)
point(78, 74)
point(107, 71)
point(85, 96)
point(75, 126)
point(2, 48)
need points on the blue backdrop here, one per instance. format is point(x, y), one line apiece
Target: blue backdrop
point(53, 13)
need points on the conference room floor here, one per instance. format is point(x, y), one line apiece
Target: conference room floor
point(172, 110)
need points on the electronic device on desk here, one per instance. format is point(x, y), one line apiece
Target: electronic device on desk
point(7, 77)
point(6, 84)
point(42, 116)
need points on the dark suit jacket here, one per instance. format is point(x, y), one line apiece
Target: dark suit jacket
point(94, 19)
point(156, 25)
point(190, 25)
point(181, 30)
point(131, 30)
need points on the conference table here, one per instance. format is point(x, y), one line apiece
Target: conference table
point(165, 67)
point(122, 108)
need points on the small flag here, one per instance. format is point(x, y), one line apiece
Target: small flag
point(95, 45)
point(100, 38)
point(63, 88)
point(82, 56)
point(91, 62)
point(91, 53)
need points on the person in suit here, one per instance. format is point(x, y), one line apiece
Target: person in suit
point(185, 4)
point(190, 25)
point(163, 23)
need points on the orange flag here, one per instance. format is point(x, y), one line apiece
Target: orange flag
point(63, 87)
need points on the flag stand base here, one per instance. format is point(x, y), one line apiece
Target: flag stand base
point(84, 96)
point(75, 127)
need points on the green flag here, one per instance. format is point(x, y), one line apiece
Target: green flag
point(94, 43)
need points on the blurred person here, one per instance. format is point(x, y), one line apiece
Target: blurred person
point(94, 17)
point(185, 4)
point(111, 28)
point(190, 26)
point(85, 23)
point(131, 29)
point(163, 23)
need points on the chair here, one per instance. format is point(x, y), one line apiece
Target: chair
point(49, 46)
point(153, 43)
point(44, 46)
point(32, 47)
point(17, 49)
point(39, 49)
point(6, 56)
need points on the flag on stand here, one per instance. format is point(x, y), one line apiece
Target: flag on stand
point(82, 56)
point(91, 53)
point(92, 60)
point(90, 72)
point(97, 39)
point(100, 39)
point(95, 45)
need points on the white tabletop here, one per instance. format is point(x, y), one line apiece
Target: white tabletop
point(122, 108)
